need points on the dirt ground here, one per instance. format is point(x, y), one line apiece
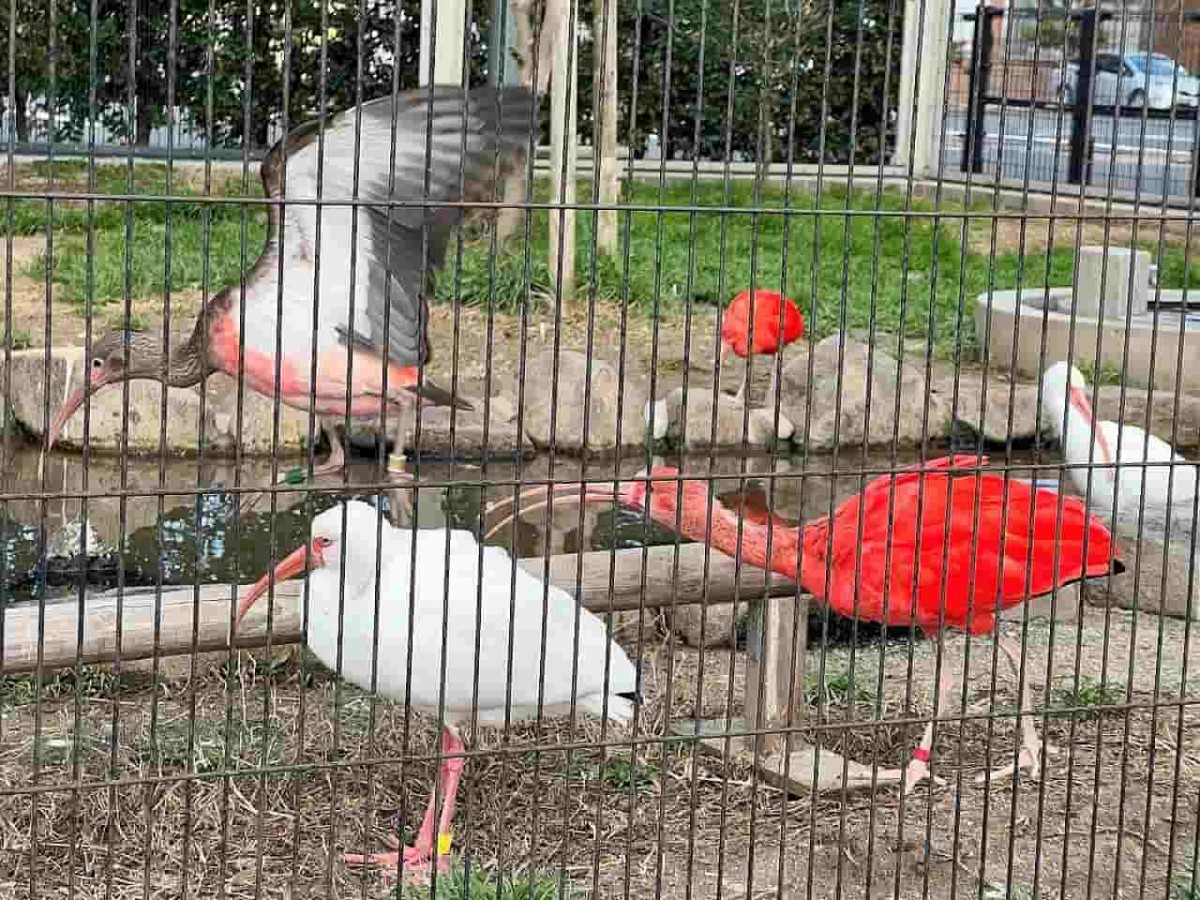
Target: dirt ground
point(1117, 806)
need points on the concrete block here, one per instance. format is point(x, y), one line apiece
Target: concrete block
point(1104, 288)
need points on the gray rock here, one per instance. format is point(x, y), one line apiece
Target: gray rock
point(502, 435)
point(573, 376)
point(848, 423)
point(692, 425)
point(257, 420)
point(1154, 594)
point(989, 416)
point(1063, 606)
point(719, 624)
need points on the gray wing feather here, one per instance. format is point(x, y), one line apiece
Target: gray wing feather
point(451, 146)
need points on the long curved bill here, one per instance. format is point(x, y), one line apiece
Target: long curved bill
point(1079, 399)
point(304, 558)
point(68, 409)
point(542, 496)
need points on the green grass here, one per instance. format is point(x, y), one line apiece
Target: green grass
point(91, 681)
point(1090, 697)
point(618, 772)
point(247, 743)
point(478, 885)
point(148, 257)
point(1185, 885)
point(1109, 373)
point(839, 690)
point(191, 224)
point(904, 274)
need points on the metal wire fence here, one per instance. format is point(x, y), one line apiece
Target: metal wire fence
point(370, 441)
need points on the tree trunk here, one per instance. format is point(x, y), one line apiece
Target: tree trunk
point(604, 57)
point(510, 218)
point(144, 126)
point(21, 114)
point(563, 149)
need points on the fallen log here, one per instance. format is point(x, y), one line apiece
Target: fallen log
point(199, 618)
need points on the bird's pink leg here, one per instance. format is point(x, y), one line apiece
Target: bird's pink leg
point(418, 859)
point(334, 463)
point(917, 769)
point(1030, 757)
point(452, 769)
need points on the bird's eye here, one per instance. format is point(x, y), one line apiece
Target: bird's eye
point(97, 363)
point(324, 542)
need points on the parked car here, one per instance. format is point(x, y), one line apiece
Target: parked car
point(1140, 78)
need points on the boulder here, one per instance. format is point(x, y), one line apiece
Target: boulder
point(839, 404)
point(720, 624)
point(503, 436)
point(1143, 586)
point(989, 417)
point(575, 376)
point(693, 428)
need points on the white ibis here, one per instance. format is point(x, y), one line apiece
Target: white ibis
point(449, 146)
point(453, 597)
point(1128, 463)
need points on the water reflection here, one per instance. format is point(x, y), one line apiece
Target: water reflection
point(207, 536)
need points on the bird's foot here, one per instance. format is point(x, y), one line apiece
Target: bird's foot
point(1029, 761)
point(417, 863)
point(917, 771)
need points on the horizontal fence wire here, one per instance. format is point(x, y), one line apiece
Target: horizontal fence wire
point(726, 450)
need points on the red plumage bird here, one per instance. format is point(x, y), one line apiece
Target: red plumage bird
point(774, 320)
point(925, 545)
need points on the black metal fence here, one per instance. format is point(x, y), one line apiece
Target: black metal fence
point(1098, 96)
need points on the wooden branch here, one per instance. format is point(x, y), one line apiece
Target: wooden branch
point(180, 615)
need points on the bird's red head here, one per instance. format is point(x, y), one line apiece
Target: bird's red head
point(777, 322)
point(682, 505)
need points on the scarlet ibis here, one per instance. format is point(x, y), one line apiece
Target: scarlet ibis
point(351, 329)
point(922, 545)
point(560, 651)
point(1129, 464)
point(758, 321)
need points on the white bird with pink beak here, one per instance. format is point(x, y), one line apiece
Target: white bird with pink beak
point(561, 654)
point(1127, 462)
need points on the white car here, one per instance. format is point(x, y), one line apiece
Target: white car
point(1134, 79)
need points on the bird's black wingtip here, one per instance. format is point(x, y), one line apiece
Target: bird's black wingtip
point(1118, 566)
point(632, 697)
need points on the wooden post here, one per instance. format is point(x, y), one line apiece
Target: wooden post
point(447, 62)
point(563, 151)
point(604, 56)
point(922, 101)
point(773, 642)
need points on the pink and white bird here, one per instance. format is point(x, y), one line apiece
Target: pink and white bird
point(1129, 466)
point(473, 600)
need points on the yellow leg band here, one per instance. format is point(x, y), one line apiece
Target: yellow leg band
point(443, 843)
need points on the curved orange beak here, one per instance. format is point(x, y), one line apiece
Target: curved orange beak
point(99, 378)
point(1079, 400)
point(304, 558)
